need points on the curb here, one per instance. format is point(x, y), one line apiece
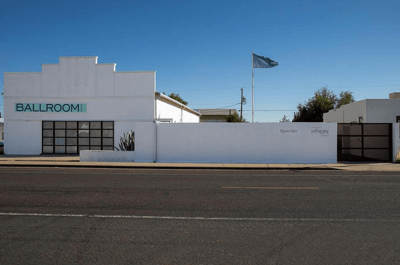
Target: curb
point(155, 166)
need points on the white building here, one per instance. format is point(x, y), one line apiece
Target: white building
point(215, 115)
point(79, 104)
point(367, 111)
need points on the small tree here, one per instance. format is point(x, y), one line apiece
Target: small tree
point(345, 97)
point(284, 119)
point(323, 101)
point(234, 118)
point(177, 98)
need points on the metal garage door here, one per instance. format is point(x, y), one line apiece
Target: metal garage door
point(70, 137)
point(364, 142)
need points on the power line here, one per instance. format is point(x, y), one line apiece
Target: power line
point(286, 87)
point(272, 110)
point(229, 106)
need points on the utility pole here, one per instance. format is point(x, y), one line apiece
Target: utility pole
point(242, 101)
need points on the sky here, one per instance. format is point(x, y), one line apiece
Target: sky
point(202, 49)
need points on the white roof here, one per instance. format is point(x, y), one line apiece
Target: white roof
point(1, 120)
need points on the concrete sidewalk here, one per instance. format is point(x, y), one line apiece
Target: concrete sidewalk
point(73, 161)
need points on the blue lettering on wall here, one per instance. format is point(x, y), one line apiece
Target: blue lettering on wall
point(59, 108)
point(27, 108)
point(19, 107)
point(49, 107)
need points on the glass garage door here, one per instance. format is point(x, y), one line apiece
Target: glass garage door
point(69, 137)
point(364, 142)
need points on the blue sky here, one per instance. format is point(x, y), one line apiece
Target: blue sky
point(202, 49)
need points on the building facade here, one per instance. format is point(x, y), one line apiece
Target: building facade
point(215, 115)
point(367, 111)
point(79, 104)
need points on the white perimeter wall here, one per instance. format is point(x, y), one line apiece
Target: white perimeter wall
point(396, 140)
point(145, 138)
point(247, 143)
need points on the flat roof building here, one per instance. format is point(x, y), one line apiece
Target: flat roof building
point(79, 104)
point(215, 115)
point(367, 111)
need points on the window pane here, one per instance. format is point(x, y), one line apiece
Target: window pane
point(95, 125)
point(377, 154)
point(95, 148)
point(108, 148)
point(83, 133)
point(47, 149)
point(60, 149)
point(47, 133)
point(83, 125)
point(350, 155)
point(60, 141)
point(108, 141)
point(349, 142)
point(83, 141)
point(72, 133)
point(60, 125)
point(349, 129)
point(83, 148)
point(60, 133)
point(108, 133)
point(72, 141)
point(376, 142)
point(72, 149)
point(47, 125)
point(108, 125)
point(95, 141)
point(72, 125)
point(376, 129)
point(95, 133)
point(47, 141)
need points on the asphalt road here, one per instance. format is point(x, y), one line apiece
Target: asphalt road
point(128, 216)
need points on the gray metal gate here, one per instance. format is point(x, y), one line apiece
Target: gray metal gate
point(365, 142)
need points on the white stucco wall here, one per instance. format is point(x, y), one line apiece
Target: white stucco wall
point(190, 117)
point(382, 110)
point(23, 137)
point(176, 114)
point(247, 143)
point(145, 138)
point(372, 111)
point(348, 113)
point(167, 111)
point(108, 95)
point(396, 141)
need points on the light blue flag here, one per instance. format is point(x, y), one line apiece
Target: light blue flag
point(263, 62)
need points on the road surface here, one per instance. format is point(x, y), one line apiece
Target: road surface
point(147, 216)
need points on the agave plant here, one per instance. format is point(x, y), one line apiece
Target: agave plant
point(127, 142)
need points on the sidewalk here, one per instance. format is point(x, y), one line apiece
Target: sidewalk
point(73, 161)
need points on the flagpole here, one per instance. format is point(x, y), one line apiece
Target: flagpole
point(252, 86)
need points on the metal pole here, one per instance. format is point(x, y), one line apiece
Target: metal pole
point(241, 103)
point(252, 86)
